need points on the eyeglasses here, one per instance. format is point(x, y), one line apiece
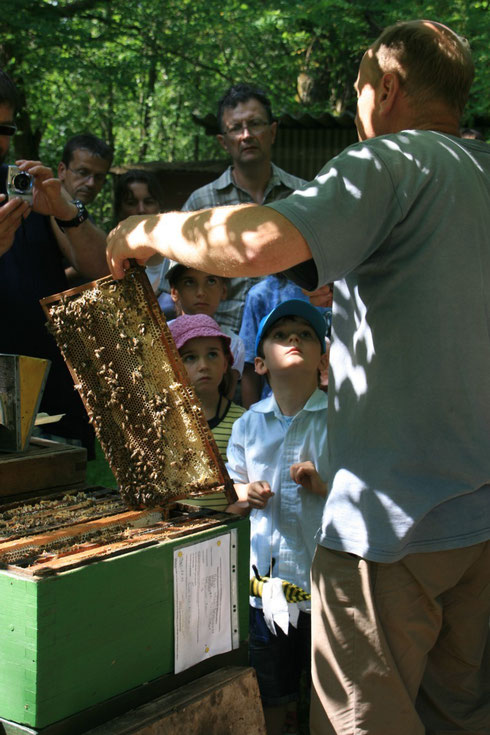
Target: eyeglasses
point(8, 129)
point(253, 126)
point(85, 175)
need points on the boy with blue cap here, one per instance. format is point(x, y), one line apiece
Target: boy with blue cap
point(277, 456)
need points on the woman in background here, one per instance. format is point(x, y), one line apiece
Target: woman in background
point(140, 192)
point(137, 192)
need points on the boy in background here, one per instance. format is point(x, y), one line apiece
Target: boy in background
point(196, 292)
point(277, 456)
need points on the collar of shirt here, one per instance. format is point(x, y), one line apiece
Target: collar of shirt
point(278, 178)
point(316, 402)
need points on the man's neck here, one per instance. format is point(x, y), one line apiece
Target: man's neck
point(435, 124)
point(253, 178)
point(436, 116)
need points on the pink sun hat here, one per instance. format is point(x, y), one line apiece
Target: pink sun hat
point(190, 326)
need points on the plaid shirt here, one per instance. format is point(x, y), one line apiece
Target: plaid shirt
point(224, 191)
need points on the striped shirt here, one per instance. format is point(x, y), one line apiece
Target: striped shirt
point(221, 433)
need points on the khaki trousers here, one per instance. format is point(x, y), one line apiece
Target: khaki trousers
point(402, 648)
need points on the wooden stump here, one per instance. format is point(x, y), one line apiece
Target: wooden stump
point(225, 702)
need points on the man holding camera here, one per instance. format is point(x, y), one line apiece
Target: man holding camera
point(39, 227)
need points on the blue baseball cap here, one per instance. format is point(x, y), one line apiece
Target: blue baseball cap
point(294, 307)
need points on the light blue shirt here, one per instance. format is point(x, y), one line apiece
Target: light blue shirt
point(263, 446)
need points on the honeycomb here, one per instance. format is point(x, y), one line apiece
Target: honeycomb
point(130, 377)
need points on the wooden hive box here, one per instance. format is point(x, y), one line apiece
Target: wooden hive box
point(75, 639)
point(43, 465)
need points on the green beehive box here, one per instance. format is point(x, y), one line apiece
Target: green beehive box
point(82, 636)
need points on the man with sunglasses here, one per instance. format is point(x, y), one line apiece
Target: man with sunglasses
point(12, 211)
point(35, 240)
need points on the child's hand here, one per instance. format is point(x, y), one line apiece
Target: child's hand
point(259, 494)
point(305, 474)
point(250, 495)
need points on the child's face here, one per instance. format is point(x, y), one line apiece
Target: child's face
point(290, 344)
point(206, 363)
point(198, 292)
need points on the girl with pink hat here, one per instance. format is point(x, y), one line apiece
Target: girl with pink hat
point(205, 352)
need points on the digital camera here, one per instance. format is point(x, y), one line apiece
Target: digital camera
point(19, 184)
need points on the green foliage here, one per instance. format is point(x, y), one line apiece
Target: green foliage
point(133, 72)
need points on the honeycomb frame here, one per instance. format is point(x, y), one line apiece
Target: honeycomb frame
point(129, 374)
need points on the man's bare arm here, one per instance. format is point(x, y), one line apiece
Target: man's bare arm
point(84, 246)
point(241, 240)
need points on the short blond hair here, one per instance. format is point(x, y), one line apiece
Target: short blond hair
point(431, 61)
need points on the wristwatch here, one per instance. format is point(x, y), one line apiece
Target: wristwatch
point(80, 217)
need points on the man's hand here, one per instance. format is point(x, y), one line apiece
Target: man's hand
point(11, 215)
point(130, 239)
point(83, 246)
point(48, 196)
point(305, 474)
point(323, 296)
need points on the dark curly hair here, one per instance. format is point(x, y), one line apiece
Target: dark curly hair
point(242, 92)
point(130, 177)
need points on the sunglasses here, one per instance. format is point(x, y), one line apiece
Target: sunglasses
point(7, 129)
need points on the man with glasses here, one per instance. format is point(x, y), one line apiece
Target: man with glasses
point(84, 166)
point(248, 131)
point(35, 241)
point(83, 169)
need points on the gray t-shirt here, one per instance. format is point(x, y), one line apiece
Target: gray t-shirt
point(402, 224)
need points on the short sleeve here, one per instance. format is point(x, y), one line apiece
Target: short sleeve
point(238, 352)
point(250, 325)
point(343, 213)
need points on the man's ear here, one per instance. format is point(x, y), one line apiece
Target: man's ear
point(260, 366)
point(222, 141)
point(388, 90)
point(61, 171)
point(174, 294)
point(273, 131)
